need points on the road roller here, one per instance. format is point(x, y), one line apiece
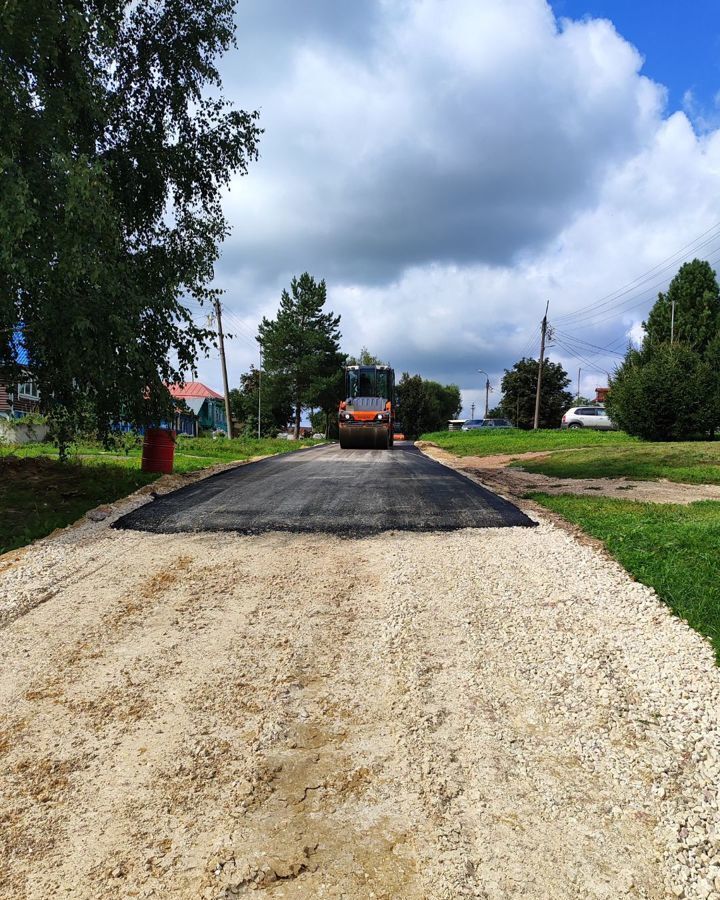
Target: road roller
point(367, 414)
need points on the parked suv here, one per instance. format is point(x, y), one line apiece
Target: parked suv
point(587, 417)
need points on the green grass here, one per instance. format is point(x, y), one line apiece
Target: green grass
point(690, 463)
point(488, 442)
point(190, 453)
point(674, 549)
point(38, 493)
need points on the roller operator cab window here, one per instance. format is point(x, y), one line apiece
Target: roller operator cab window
point(383, 386)
point(369, 383)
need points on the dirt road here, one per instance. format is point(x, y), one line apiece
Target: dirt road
point(406, 715)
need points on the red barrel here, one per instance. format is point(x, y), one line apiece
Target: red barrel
point(158, 450)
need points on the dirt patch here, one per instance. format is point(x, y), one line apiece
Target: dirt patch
point(496, 473)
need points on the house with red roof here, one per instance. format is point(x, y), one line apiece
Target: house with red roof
point(206, 408)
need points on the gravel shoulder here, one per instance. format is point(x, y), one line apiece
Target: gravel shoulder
point(433, 715)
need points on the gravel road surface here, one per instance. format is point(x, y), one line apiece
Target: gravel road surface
point(482, 713)
point(332, 490)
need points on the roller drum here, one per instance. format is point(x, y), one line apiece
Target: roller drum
point(366, 437)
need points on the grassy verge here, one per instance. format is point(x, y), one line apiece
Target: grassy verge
point(38, 493)
point(489, 442)
point(690, 463)
point(674, 549)
point(190, 453)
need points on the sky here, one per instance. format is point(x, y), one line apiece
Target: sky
point(449, 166)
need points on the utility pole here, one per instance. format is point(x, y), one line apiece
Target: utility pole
point(472, 410)
point(672, 323)
point(543, 332)
point(259, 391)
point(578, 391)
point(221, 347)
point(487, 389)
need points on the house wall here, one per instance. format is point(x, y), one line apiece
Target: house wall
point(212, 414)
point(19, 405)
point(185, 423)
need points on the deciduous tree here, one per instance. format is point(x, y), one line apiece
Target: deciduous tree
point(695, 293)
point(115, 147)
point(519, 388)
point(275, 403)
point(425, 405)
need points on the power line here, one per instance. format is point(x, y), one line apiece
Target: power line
point(576, 340)
point(587, 362)
point(534, 337)
point(665, 264)
point(607, 315)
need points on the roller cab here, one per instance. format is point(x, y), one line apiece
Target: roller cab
point(367, 414)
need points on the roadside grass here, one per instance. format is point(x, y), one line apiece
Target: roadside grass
point(491, 442)
point(38, 493)
point(190, 453)
point(670, 547)
point(686, 462)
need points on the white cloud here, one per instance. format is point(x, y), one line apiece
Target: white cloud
point(453, 168)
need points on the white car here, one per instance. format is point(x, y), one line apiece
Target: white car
point(587, 417)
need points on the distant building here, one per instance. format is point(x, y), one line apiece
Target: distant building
point(19, 399)
point(601, 394)
point(207, 408)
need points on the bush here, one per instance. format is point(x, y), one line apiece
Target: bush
point(659, 395)
point(32, 418)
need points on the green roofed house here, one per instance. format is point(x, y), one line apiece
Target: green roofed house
point(206, 406)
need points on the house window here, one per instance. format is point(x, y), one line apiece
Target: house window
point(29, 390)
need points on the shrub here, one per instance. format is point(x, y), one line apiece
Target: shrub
point(659, 395)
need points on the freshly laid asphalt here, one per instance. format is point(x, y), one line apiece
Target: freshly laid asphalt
point(326, 489)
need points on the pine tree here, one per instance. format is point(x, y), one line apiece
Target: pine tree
point(301, 345)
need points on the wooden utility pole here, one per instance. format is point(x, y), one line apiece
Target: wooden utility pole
point(259, 392)
point(543, 332)
point(578, 391)
point(221, 346)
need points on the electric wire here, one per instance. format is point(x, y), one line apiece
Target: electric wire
point(592, 366)
point(534, 338)
point(666, 264)
point(592, 319)
point(576, 340)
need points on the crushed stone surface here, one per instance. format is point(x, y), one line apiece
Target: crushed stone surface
point(479, 713)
